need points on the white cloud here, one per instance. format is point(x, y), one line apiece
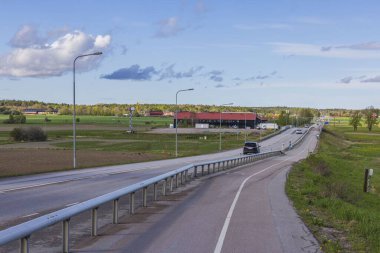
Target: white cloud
point(168, 28)
point(54, 58)
point(102, 41)
point(275, 26)
point(25, 37)
point(375, 79)
point(299, 49)
point(312, 20)
point(373, 45)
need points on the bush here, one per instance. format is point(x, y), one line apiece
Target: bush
point(15, 119)
point(18, 134)
point(28, 134)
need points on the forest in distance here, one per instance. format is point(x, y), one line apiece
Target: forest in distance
point(7, 106)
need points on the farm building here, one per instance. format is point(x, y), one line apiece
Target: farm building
point(154, 113)
point(32, 111)
point(227, 119)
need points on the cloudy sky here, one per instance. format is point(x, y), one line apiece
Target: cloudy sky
point(313, 53)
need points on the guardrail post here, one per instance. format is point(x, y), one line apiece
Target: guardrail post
point(24, 245)
point(132, 203)
point(115, 213)
point(164, 187)
point(144, 193)
point(182, 173)
point(155, 191)
point(94, 221)
point(176, 180)
point(203, 170)
point(208, 169)
point(171, 184)
point(195, 171)
point(186, 175)
point(218, 166)
point(65, 235)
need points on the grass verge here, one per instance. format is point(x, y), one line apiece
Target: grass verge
point(327, 191)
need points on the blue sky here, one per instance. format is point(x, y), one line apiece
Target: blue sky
point(311, 53)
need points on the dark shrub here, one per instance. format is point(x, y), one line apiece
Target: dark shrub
point(19, 134)
point(36, 134)
point(28, 134)
point(15, 119)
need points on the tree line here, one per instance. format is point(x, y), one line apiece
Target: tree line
point(370, 116)
point(280, 114)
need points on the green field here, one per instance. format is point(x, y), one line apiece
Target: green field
point(85, 119)
point(188, 144)
point(327, 190)
point(103, 140)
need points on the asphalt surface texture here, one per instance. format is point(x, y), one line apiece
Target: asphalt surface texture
point(25, 198)
point(241, 210)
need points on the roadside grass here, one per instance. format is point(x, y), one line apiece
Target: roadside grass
point(188, 144)
point(327, 191)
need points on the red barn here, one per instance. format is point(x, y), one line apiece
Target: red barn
point(227, 119)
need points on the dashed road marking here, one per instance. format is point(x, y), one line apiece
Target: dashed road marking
point(29, 215)
point(72, 204)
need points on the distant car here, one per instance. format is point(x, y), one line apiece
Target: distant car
point(251, 147)
point(307, 126)
point(299, 131)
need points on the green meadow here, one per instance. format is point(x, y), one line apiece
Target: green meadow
point(87, 119)
point(327, 190)
point(104, 140)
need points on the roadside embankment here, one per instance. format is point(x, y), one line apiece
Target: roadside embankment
point(327, 191)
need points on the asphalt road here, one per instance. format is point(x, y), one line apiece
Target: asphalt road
point(52, 191)
point(241, 210)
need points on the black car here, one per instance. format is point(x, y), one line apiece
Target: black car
point(251, 147)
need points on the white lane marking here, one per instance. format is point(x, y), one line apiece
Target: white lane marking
point(72, 204)
point(29, 215)
point(66, 180)
point(222, 236)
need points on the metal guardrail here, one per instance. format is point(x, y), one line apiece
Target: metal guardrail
point(298, 141)
point(283, 129)
point(169, 180)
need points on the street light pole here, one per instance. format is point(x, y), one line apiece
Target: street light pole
point(220, 126)
point(74, 109)
point(245, 127)
point(176, 119)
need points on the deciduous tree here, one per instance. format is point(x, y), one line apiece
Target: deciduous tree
point(355, 119)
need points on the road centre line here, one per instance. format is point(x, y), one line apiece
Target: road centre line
point(219, 245)
point(63, 181)
point(29, 215)
point(72, 204)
